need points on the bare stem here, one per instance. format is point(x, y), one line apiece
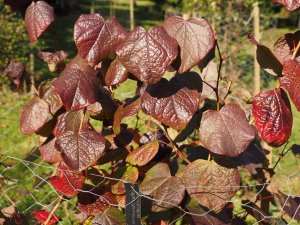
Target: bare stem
point(296, 51)
point(53, 211)
point(281, 155)
point(182, 156)
point(218, 79)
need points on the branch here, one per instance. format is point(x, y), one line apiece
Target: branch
point(281, 155)
point(53, 210)
point(296, 51)
point(218, 79)
point(182, 156)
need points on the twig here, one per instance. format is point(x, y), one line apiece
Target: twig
point(53, 211)
point(281, 155)
point(218, 79)
point(182, 156)
point(296, 51)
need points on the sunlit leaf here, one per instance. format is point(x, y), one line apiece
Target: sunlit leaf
point(42, 216)
point(49, 152)
point(15, 70)
point(116, 73)
point(272, 116)
point(291, 5)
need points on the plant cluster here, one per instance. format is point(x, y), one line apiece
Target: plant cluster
point(193, 175)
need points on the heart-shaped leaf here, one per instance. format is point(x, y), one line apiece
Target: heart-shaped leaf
point(226, 132)
point(195, 38)
point(111, 216)
point(116, 73)
point(173, 102)
point(34, 115)
point(291, 81)
point(54, 59)
point(268, 61)
point(286, 45)
point(70, 121)
point(42, 216)
point(66, 181)
point(47, 93)
point(148, 54)
point(96, 38)
point(291, 5)
point(144, 154)
point(166, 190)
point(15, 70)
point(92, 202)
point(130, 175)
point(49, 152)
point(290, 205)
point(210, 184)
point(81, 149)
point(38, 16)
point(77, 85)
point(272, 116)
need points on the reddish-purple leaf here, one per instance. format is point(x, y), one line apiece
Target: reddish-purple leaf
point(116, 73)
point(168, 191)
point(112, 216)
point(124, 111)
point(268, 61)
point(291, 5)
point(47, 93)
point(290, 205)
point(50, 153)
point(148, 54)
point(54, 59)
point(66, 181)
point(144, 154)
point(95, 38)
point(81, 149)
point(77, 85)
point(70, 121)
point(42, 216)
point(130, 175)
point(210, 184)
point(195, 38)
point(93, 203)
point(272, 116)
point(38, 16)
point(291, 81)
point(286, 45)
point(226, 132)
point(34, 115)
point(15, 71)
point(173, 102)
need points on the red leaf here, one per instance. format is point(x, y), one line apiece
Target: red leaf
point(15, 71)
point(81, 149)
point(116, 73)
point(38, 16)
point(66, 181)
point(34, 115)
point(77, 85)
point(291, 5)
point(291, 81)
point(50, 153)
point(226, 132)
point(95, 38)
point(173, 102)
point(93, 203)
point(148, 54)
point(70, 121)
point(42, 216)
point(195, 38)
point(286, 45)
point(54, 59)
point(272, 116)
point(47, 93)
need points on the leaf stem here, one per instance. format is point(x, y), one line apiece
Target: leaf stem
point(296, 51)
point(281, 155)
point(219, 75)
point(53, 210)
point(180, 154)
